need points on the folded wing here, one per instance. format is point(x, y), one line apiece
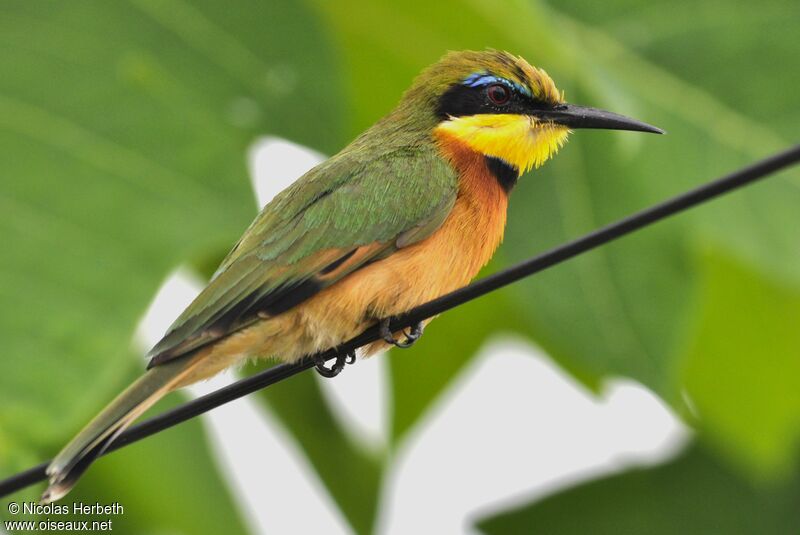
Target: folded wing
point(342, 215)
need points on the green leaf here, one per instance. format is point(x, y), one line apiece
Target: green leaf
point(161, 483)
point(742, 368)
point(693, 495)
point(124, 127)
point(718, 128)
point(614, 311)
point(715, 47)
point(123, 132)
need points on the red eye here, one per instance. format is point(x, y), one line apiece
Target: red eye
point(498, 94)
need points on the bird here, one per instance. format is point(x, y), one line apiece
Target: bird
point(410, 210)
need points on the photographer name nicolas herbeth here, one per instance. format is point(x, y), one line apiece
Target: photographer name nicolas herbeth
point(77, 508)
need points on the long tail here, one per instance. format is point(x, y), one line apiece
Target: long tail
point(94, 439)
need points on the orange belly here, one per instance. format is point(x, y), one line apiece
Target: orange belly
point(445, 261)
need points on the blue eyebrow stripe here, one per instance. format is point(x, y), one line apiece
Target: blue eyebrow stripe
point(479, 79)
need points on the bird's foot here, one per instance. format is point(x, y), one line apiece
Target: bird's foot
point(339, 363)
point(410, 338)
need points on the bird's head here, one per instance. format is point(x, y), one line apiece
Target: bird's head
point(499, 105)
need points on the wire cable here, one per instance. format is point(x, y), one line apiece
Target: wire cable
point(554, 256)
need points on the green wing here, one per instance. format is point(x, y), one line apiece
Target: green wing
point(349, 211)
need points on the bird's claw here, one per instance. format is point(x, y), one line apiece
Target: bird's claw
point(411, 337)
point(338, 365)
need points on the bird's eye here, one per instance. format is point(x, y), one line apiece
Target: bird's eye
point(498, 94)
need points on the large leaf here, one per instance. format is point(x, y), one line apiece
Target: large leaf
point(719, 128)
point(161, 483)
point(693, 495)
point(123, 131)
point(713, 49)
point(615, 310)
point(743, 365)
point(123, 128)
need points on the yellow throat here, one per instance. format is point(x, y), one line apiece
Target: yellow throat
point(519, 140)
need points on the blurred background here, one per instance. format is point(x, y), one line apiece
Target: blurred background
point(650, 386)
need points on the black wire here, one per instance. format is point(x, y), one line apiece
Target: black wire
point(485, 285)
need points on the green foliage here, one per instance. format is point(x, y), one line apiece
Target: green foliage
point(161, 483)
point(123, 131)
point(197, 502)
point(692, 495)
point(744, 384)
point(123, 128)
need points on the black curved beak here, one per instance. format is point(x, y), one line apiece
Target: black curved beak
point(574, 116)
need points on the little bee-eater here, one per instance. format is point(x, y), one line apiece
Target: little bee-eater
point(407, 212)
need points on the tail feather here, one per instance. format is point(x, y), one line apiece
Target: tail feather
point(94, 439)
